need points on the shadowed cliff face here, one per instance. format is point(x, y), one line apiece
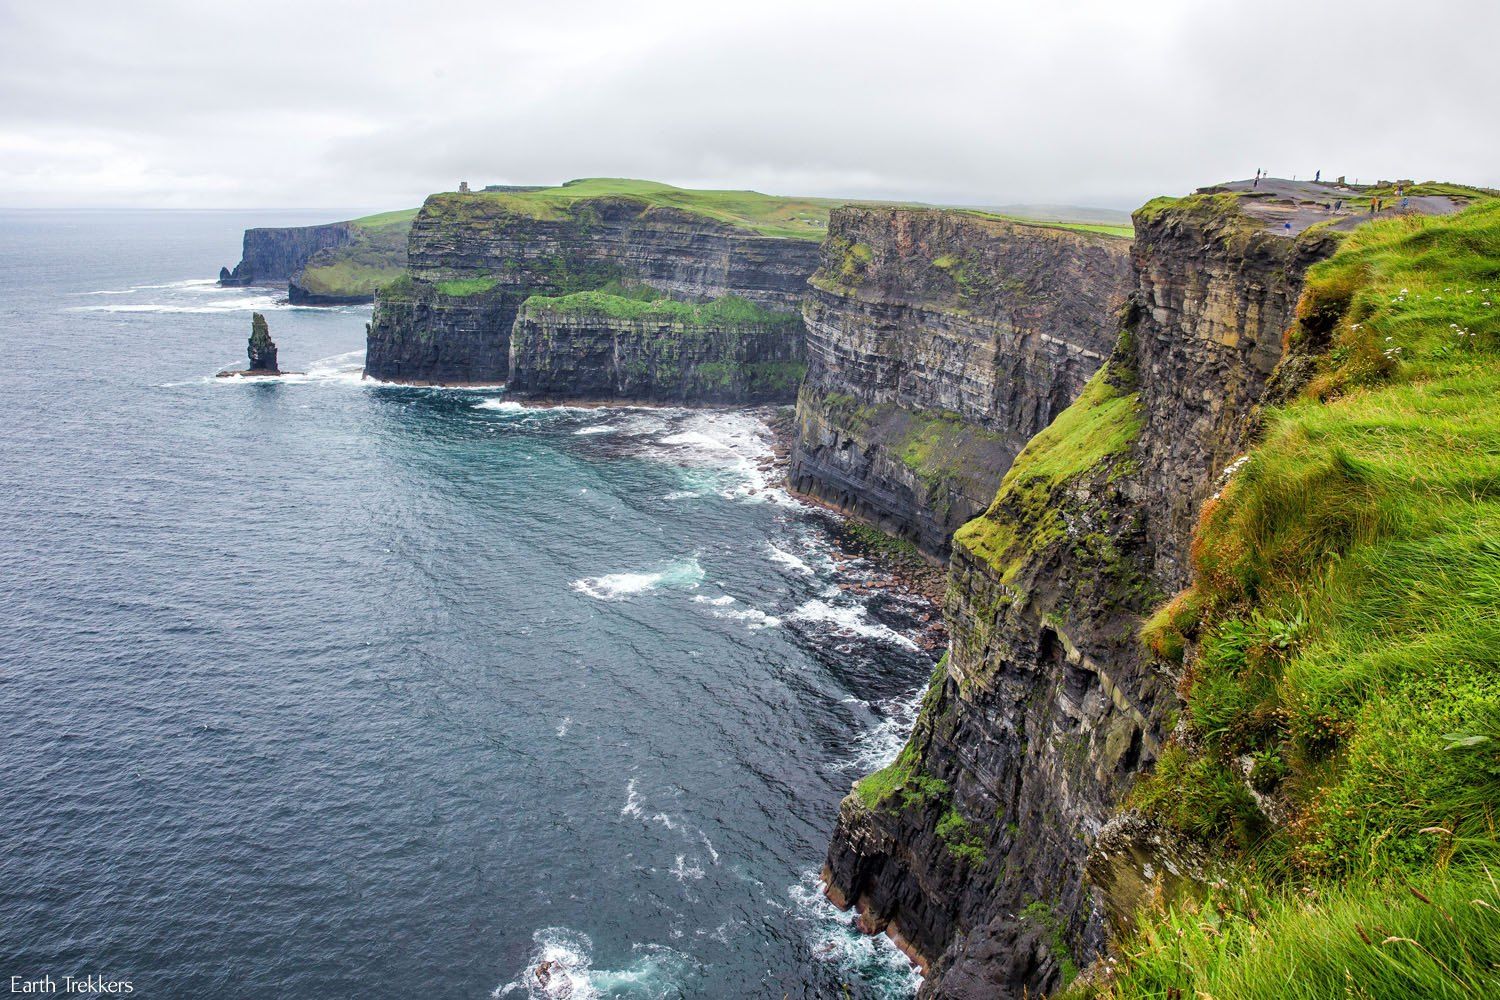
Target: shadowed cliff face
point(593, 356)
point(972, 846)
point(938, 343)
point(470, 238)
point(271, 255)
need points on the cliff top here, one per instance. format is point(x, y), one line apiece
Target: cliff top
point(398, 220)
point(785, 216)
point(768, 215)
point(1289, 207)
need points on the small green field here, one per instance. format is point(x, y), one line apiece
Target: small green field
point(642, 303)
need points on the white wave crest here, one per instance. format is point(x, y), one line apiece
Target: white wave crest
point(503, 405)
point(792, 562)
point(849, 619)
point(718, 602)
point(632, 805)
point(685, 574)
point(878, 746)
point(872, 959)
point(560, 969)
point(754, 618)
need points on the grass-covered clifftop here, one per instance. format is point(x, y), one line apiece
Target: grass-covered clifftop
point(768, 215)
point(375, 256)
point(1339, 751)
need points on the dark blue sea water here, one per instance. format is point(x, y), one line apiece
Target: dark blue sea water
point(317, 688)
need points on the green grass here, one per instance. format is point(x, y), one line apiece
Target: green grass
point(730, 310)
point(1346, 616)
point(769, 215)
point(375, 257)
point(348, 277)
point(400, 219)
point(903, 777)
point(962, 839)
point(1026, 515)
point(1463, 191)
point(1378, 941)
point(1347, 595)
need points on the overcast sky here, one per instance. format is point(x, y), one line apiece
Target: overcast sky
point(373, 105)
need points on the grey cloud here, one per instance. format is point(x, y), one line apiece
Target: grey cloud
point(375, 104)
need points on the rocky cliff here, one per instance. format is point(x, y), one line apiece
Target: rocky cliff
point(519, 245)
point(938, 343)
point(441, 333)
point(592, 346)
point(276, 254)
point(971, 847)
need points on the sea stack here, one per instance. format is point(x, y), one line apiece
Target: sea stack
point(262, 351)
point(262, 347)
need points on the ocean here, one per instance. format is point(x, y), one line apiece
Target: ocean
point(315, 687)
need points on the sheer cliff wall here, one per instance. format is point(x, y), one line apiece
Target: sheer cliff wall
point(971, 848)
point(939, 342)
point(493, 256)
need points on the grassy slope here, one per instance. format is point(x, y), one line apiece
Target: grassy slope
point(376, 256)
point(1028, 512)
point(1346, 614)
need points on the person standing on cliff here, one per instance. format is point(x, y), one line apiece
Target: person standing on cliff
point(1317, 176)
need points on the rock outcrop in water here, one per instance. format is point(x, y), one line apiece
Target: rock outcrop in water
point(473, 259)
point(592, 346)
point(938, 343)
point(971, 848)
point(261, 350)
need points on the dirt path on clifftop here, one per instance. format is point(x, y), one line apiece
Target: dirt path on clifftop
point(1277, 201)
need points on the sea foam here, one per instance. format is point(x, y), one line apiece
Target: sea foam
point(685, 574)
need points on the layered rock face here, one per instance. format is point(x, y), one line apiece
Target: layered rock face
point(587, 354)
point(683, 253)
point(422, 333)
point(1205, 266)
point(270, 255)
point(459, 239)
point(938, 343)
point(972, 847)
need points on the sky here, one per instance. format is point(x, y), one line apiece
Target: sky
point(374, 105)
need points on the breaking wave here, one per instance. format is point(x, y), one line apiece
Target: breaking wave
point(851, 620)
point(560, 968)
point(685, 574)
